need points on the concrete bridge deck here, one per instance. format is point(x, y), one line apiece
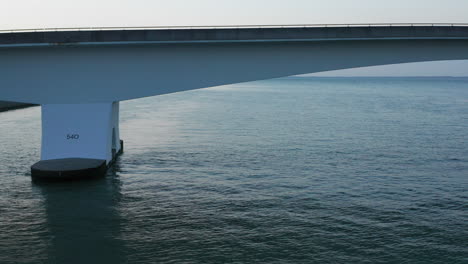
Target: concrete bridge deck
point(46, 37)
point(79, 76)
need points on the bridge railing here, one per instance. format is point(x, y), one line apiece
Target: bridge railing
point(235, 27)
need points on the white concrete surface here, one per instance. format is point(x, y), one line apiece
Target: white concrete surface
point(80, 131)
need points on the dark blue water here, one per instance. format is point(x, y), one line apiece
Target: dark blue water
point(296, 170)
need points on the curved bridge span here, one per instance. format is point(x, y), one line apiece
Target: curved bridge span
point(80, 75)
point(105, 65)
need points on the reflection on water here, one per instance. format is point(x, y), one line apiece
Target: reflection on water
point(83, 220)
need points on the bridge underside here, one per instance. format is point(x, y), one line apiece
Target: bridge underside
point(99, 74)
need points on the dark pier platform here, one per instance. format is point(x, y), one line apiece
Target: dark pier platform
point(72, 168)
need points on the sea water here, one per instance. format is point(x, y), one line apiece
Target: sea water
point(293, 170)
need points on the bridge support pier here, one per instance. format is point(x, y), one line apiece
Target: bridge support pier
point(78, 140)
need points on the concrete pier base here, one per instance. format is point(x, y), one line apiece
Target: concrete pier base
point(71, 168)
point(68, 169)
point(78, 141)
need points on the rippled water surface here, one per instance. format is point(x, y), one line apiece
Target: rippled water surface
point(295, 170)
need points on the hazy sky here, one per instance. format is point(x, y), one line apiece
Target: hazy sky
point(75, 13)
point(91, 13)
point(431, 68)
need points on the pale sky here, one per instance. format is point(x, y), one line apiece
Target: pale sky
point(16, 14)
point(431, 68)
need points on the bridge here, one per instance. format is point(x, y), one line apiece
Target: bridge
point(80, 75)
